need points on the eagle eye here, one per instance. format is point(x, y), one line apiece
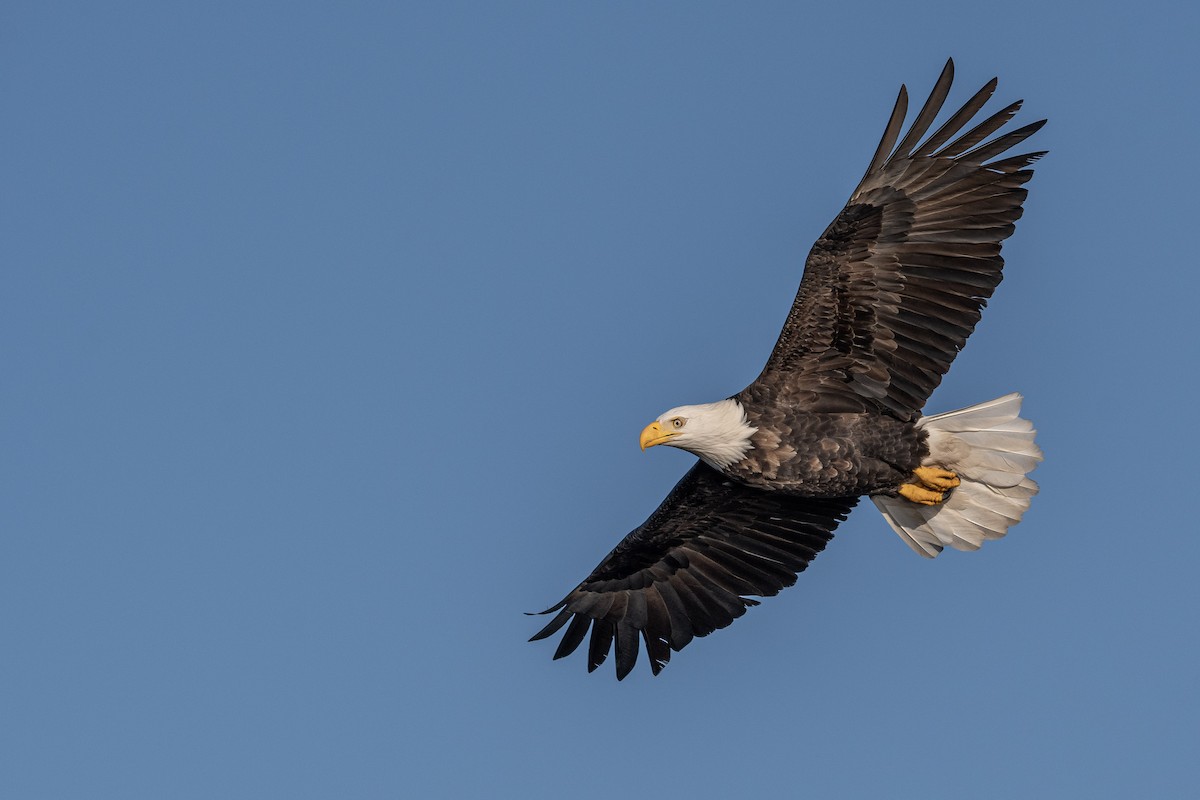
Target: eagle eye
point(677, 422)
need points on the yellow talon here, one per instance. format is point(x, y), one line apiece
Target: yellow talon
point(918, 494)
point(940, 480)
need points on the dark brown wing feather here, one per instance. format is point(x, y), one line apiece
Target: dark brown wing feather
point(687, 570)
point(897, 282)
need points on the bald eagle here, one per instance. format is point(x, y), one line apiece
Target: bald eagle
point(890, 292)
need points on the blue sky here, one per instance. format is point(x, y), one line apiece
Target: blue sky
point(329, 330)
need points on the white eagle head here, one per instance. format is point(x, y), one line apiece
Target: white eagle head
point(717, 432)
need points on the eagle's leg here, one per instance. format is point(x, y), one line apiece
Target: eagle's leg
point(929, 487)
point(919, 494)
point(940, 480)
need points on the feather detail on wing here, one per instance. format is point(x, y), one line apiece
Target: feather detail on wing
point(897, 282)
point(688, 569)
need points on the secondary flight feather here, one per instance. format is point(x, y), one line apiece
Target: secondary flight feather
point(890, 292)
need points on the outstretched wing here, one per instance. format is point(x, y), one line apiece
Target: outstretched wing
point(897, 282)
point(687, 570)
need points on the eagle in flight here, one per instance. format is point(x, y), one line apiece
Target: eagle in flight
point(890, 293)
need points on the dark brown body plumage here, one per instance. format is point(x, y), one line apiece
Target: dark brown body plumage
point(890, 293)
point(827, 455)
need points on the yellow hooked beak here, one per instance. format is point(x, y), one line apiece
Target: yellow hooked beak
point(653, 434)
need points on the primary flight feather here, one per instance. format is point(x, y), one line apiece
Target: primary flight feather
point(891, 291)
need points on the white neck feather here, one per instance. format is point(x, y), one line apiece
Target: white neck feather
point(717, 432)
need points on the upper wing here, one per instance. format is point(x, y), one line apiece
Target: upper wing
point(685, 571)
point(896, 283)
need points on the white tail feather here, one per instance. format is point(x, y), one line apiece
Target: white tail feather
point(992, 451)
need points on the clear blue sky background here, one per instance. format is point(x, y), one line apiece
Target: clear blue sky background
point(329, 330)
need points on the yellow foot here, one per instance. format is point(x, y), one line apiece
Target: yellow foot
point(919, 494)
point(940, 480)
